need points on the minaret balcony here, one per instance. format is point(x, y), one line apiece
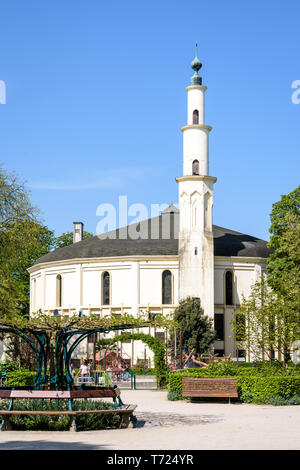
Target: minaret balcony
point(196, 126)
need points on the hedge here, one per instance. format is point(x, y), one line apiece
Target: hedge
point(263, 389)
point(251, 389)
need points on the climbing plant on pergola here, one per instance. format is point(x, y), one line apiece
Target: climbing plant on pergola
point(156, 346)
point(54, 339)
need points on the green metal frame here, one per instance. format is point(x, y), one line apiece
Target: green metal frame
point(63, 350)
point(41, 349)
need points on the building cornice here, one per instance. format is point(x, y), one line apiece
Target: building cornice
point(133, 258)
point(229, 259)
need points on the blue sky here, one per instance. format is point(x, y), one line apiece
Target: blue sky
point(95, 98)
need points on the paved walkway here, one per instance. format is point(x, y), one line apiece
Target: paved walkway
point(177, 425)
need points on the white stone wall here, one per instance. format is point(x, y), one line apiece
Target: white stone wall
point(136, 285)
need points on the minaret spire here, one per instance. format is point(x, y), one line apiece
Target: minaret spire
point(196, 66)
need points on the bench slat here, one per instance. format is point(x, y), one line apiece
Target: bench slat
point(55, 394)
point(128, 409)
point(209, 387)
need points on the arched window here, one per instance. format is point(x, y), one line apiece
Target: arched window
point(58, 291)
point(228, 288)
point(195, 167)
point(195, 116)
point(167, 287)
point(105, 288)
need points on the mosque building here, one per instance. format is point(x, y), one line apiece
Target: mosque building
point(179, 253)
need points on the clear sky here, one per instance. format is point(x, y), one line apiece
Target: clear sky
point(95, 98)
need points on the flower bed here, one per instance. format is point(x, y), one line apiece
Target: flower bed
point(60, 422)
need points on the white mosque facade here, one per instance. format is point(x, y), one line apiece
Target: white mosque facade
point(180, 253)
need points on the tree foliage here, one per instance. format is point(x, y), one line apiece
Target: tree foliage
point(23, 239)
point(196, 329)
point(66, 239)
point(284, 261)
point(266, 323)
point(156, 346)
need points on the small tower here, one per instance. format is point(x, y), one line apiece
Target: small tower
point(196, 248)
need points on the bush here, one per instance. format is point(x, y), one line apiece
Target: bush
point(173, 395)
point(280, 401)
point(60, 422)
point(20, 377)
point(9, 365)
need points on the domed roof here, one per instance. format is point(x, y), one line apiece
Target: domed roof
point(158, 237)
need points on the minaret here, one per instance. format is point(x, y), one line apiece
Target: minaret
point(196, 248)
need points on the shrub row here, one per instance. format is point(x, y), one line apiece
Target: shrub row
point(61, 422)
point(251, 389)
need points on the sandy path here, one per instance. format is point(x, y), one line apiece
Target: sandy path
point(178, 425)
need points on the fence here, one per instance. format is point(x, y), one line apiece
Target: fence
point(124, 379)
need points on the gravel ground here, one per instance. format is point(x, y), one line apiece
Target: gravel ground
point(177, 425)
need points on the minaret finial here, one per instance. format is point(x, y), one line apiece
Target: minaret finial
point(196, 66)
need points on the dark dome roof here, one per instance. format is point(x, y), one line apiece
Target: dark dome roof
point(159, 236)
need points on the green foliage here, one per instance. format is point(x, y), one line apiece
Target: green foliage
point(281, 401)
point(173, 395)
point(94, 422)
point(23, 239)
point(159, 353)
point(60, 423)
point(66, 239)
point(262, 389)
point(284, 262)
point(9, 365)
point(196, 328)
point(285, 218)
point(255, 385)
point(20, 377)
point(270, 322)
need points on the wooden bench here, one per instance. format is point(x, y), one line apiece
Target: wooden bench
point(219, 387)
point(124, 411)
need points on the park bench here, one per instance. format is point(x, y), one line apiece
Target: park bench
point(124, 411)
point(209, 387)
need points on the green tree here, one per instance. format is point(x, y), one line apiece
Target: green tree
point(66, 239)
point(284, 262)
point(15, 204)
point(284, 241)
point(265, 323)
point(23, 239)
point(196, 329)
point(40, 242)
